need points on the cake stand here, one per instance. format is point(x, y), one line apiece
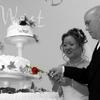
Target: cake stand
point(19, 79)
point(20, 41)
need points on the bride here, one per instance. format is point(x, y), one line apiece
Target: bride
point(72, 47)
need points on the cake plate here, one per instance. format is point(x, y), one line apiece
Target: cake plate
point(19, 41)
point(18, 75)
point(17, 80)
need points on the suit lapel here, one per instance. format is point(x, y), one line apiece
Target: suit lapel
point(93, 66)
point(94, 52)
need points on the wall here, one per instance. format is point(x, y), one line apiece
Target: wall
point(56, 20)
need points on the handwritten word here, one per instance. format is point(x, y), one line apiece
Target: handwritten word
point(13, 16)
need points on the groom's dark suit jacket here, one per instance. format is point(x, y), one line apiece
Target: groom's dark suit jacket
point(89, 75)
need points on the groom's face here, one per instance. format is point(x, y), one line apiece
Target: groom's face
point(92, 22)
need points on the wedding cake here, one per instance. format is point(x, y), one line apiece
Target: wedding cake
point(17, 74)
point(17, 80)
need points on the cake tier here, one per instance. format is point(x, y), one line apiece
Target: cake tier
point(15, 40)
point(30, 96)
point(15, 67)
point(16, 72)
point(14, 64)
point(16, 29)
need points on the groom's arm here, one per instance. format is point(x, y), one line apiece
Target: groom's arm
point(78, 74)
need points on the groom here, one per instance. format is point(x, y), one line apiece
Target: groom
point(91, 74)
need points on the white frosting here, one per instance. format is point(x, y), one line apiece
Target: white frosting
point(30, 96)
point(19, 63)
point(16, 29)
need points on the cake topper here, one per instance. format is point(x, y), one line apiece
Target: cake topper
point(23, 20)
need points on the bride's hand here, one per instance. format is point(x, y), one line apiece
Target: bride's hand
point(64, 81)
point(55, 74)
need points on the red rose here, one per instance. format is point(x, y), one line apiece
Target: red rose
point(35, 70)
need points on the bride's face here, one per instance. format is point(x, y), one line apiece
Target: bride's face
point(71, 47)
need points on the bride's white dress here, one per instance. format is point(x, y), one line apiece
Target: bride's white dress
point(74, 90)
point(72, 94)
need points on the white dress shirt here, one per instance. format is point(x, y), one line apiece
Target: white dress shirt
point(98, 46)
